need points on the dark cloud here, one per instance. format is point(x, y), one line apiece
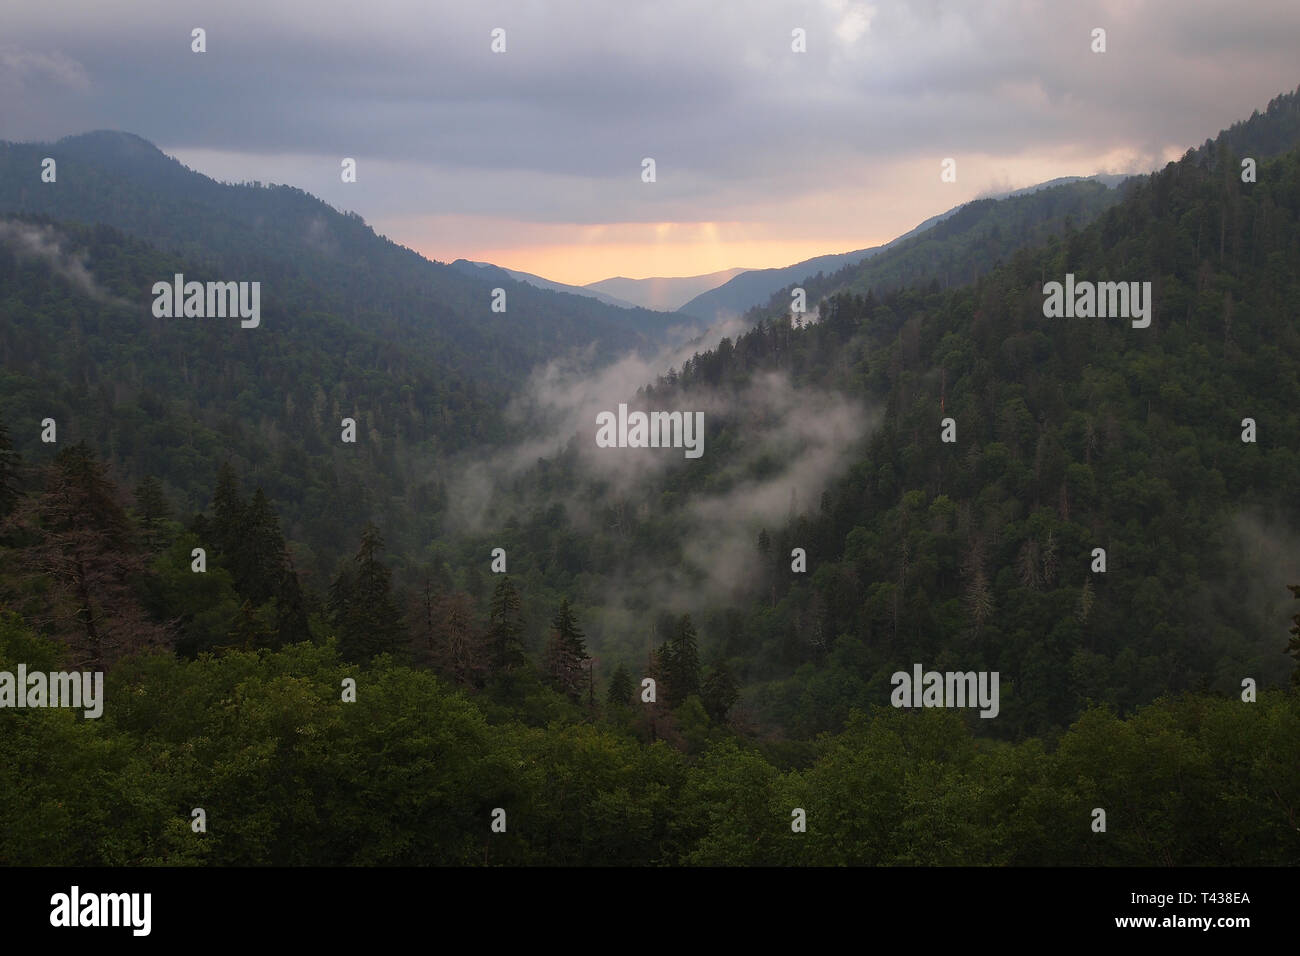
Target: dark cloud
point(559, 123)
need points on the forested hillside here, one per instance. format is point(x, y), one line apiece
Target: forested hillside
point(981, 234)
point(173, 399)
point(1071, 434)
point(947, 458)
point(312, 258)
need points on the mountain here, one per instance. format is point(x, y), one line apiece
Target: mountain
point(498, 274)
point(307, 253)
point(351, 326)
point(1100, 535)
point(991, 229)
point(666, 294)
point(760, 287)
point(980, 553)
point(755, 286)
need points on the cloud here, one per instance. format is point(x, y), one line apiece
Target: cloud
point(767, 443)
point(842, 141)
point(21, 70)
point(42, 242)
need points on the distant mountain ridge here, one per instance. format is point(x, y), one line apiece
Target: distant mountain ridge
point(666, 293)
point(755, 286)
point(311, 250)
point(481, 270)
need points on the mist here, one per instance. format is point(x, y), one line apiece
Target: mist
point(768, 443)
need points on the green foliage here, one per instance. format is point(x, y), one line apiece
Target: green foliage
point(566, 653)
point(289, 774)
point(361, 604)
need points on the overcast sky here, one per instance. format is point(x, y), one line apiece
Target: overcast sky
point(531, 158)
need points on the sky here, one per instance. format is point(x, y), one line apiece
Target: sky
point(532, 158)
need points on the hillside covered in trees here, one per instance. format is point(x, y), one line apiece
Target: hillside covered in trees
point(258, 571)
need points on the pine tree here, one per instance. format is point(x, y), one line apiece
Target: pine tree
point(719, 693)
point(505, 628)
point(566, 650)
point(250, 629)
point(10, 464)
point(153, 511)
point(227, 525)
point(83, 549)
point(362, 606)
point(681, 662)
point(292, 625)
point(620, 687)
point(1293, 646)
point(258, 559)
point(684, 678)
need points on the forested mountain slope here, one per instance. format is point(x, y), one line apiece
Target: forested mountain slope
point(309, 255)
point(227, 631)
point(174, 398)
point(1071, 434)
point(979, 235)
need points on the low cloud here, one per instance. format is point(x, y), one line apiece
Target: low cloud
point(43, 242)
point(769, 444)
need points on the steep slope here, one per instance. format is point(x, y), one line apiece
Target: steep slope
point(992, 229)
point(755, 287)
point(306, 252)
point(1070, 435)
point(175, 398)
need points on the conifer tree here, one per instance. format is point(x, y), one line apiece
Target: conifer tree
point(566, 650)
point(719, 693)
point(227, 524)
point(83, 548)
point(681, 662)
point(152, 510)
point(9, 472)
point(291, 621)
point(620, 687)
point(505, 628)
point(258, 560)
point(362, 606)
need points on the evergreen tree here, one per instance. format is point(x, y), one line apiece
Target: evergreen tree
point(258, 559)
point(83, 549)
point(228, 506)
point(719, 693)
point(1293, 646)
point(620, 687)
point(566, 650)
point(9, 473)
point(291, 621)
point(361, 603)
point(505, 628)
point(151, 505)
point(250, 630)
point(681, 663)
